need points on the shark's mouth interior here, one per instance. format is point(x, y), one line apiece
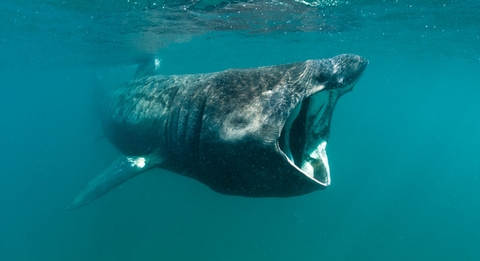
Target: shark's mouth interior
point(304, 136)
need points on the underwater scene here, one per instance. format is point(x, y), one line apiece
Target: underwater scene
point(244, 175)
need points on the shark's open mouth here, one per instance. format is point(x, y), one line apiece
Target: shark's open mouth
point(304, 136)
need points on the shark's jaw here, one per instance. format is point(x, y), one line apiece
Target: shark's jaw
point(304, 136)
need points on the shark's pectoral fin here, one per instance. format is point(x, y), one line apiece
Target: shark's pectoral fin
point(115, 174)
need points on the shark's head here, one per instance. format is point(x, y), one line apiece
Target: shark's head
point(271, 126)
point(305, 133)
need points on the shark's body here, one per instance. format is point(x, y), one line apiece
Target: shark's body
point(258, 132)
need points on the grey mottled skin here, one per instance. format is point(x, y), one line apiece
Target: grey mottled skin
point(225, 129)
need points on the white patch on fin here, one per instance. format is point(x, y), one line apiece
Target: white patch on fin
point(157, 63)
point(137, 162)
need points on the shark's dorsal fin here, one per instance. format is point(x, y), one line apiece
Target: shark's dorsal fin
point(147, 67)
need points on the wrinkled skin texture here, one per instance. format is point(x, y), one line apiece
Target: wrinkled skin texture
point(227, 129)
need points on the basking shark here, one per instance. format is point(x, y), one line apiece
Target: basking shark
point(259, 132)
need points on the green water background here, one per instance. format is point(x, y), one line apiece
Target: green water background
point(403, 149)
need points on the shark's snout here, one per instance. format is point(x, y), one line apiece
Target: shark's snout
point(348, 68)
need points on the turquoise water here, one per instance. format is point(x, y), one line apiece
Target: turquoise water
point(403, 149)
